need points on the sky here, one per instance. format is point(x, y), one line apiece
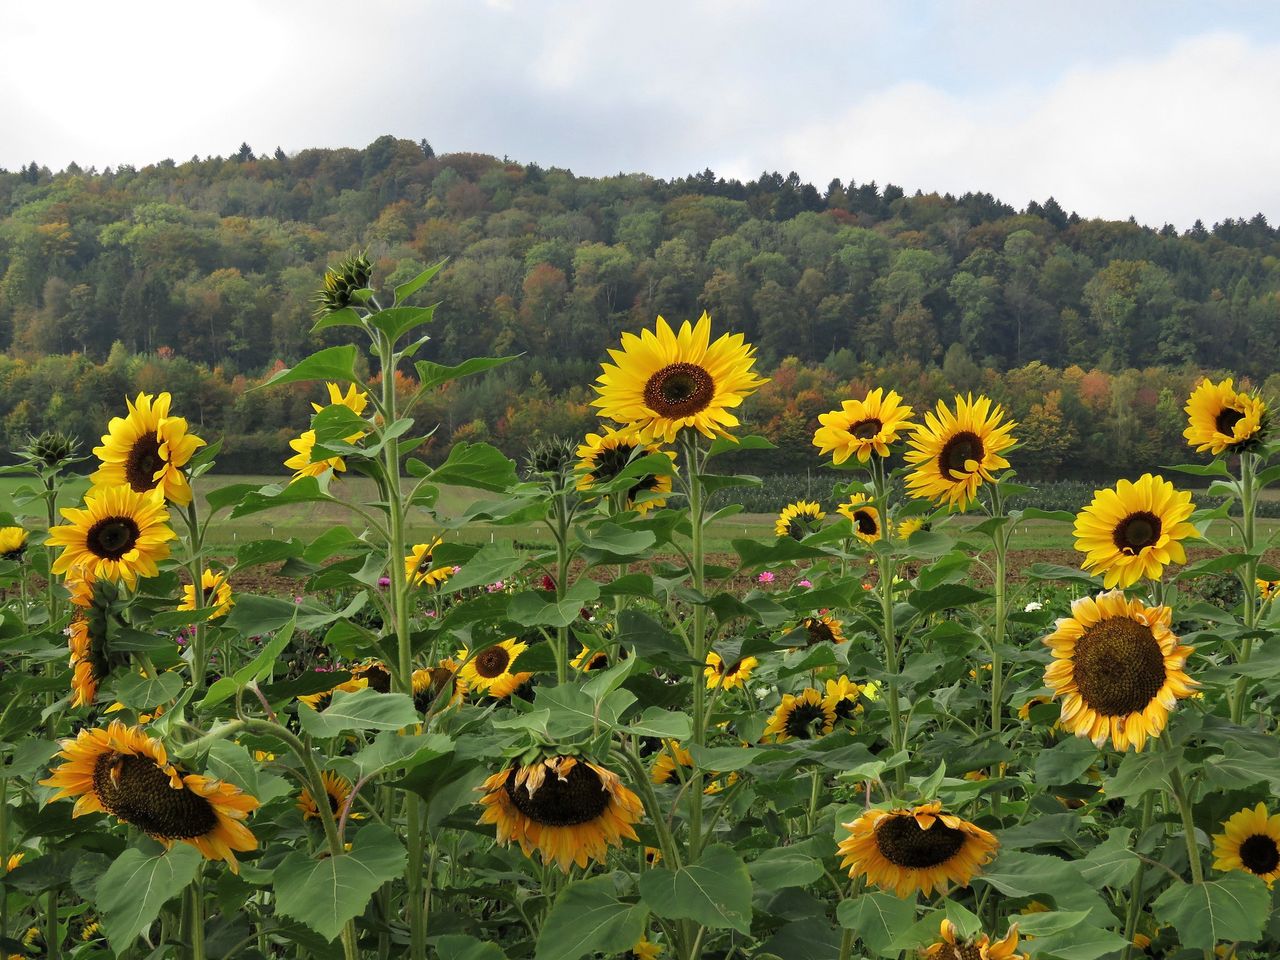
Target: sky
point(1164, 111)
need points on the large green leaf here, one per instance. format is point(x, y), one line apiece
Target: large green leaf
point(141, 881)
point(394, 751)
point(588, 918)
point(793, 866)
point(477, 465)
point(407, 289)
point(324, 894)
point(254, 670)
point(459, 946)
point(1234, 907)
point(1111, 863)
point(877, 919)
point(715, 891)
point(334, 363)
point(432, 375)
point(147, 693)
point(364, 709)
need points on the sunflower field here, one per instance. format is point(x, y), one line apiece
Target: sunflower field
point(872, 734)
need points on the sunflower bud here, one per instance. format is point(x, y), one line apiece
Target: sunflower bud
point(553, 461)
point(350, 275)
point(51, 450)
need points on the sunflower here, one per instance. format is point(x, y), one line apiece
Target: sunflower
point(662, 382)
point(428, 684)
point(118, 535)
point(337, 789)
point(862, 427)
point(215, 592)
point(489, 671)
point(911, 525)
point(1118, 669)
point(803, 717)
point(643, 950)
point(588, 659)
point(374, 673)
point(567, 808)
point(954, 947)
point(1268, 589)
point(1220, 418)
point(864, 517)
point(601, 458)
point(1250, 841)
point(90, 663)
point(303, 465)
point(798, 520)
point(909, 850)
point(13, 862)
point(91, 930)
point(954, 453)
point(823, 629)
point(417, 566)
point(735, 676)
point(147, 450)
point(1132, 530)
point(318, 701)
point(122, 771)
point(353, 400)
point(13, 543)
point(843, 696)
point(663, 769)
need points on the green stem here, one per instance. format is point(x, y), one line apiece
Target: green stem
point(1248, 578)
point(1134, 907)
point(52, 936)
point(199, 655)
point(888, 570)
point(560, 516)
point(697, 509)
point(1179, 789)
point(195, 903)
point(1000, 543)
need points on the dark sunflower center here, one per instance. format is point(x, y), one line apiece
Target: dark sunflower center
point(1259, 854)
point(112, 537)
point(598, 661)
point(423, 697)
point(378, 679)
point(865, 521)
point(649, 482)
point(1119, 667)
point(958, 451)
point(424, 564)
point(866, 429)
point(610, 463)
point(904, 844)
point(805, 721)
point(819, 630)
point(795, 528)
point(143, 462)
point(335, 803)
point(1136, 532)
point(1225, 422)
point(579, 798)
point(962, 951)
point(493, 662)
point(846, 709)
point(679, 390)
point(138, 792)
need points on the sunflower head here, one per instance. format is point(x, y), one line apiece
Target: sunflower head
point(419, 568)
point(1118, 669)
point(1268, 589)
point(215, 592)
point(588, 659)
point(955, 451)
point(340, 282)
point(664, 768)
point(118, 535)
point(148, 449)
point(823, 629)
point(920, 849)
point(489, 671)
point(798, 520)
point(911, 525)
point(804, 716)
point(643, 950)
point(718, 675)
point(375, 675)
point(13, 543)
point(336, 791)
point(862, 427)
point(318, 701)
point(302, 464)
point(428, 684)
point(87, 637)
point(353, 399)
point(1221, 418)
point(953, 946)
point(1250, 841)
point(1134, 529)
point(662, 382)
point(865, 518)
point(602, 457)
point(567, 808)
point(844, 697)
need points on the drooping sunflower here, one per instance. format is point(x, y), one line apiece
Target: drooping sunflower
point(864, 517)
point(954, 453)
point(118, 535)
point(568, 809)
point(215, 592)
point(955, 947)
point(920, 849)
point(602, 457)
point(418, 569)
point(13, 543)
point(147, 450)
point(1250, 841)
point(823, 629)
point(662, 381)
point(803, 716)
point(121, 771)
point(1132, 530)
point(844, 697)
point(798, 520)
point(1221, 418)
point(717, 676)
point(862, 427)
point(336, 790)
point(489, 671)
point(429, 683)
point(663, 768)
point(1118, 669)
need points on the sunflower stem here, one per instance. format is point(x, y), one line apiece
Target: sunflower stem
point(195, 894)
point(888, 569)
point(697, 509)
point(1248, 578)
point(1134, 908)
point(52, 938)
point(199, 656)
point(560, 514)
point(1000, 544)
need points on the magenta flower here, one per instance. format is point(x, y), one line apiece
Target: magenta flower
point(766, 577)
point(384, 582)
point(803, 583)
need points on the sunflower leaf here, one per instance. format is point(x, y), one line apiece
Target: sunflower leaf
point(877, 918)
point(364, 709)
point(141, 881)
point(1234, 907)
point(334, 363)
point(715, 891)
point(587, 918)
point(432, 375)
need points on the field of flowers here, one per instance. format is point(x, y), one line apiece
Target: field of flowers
point(889, 744)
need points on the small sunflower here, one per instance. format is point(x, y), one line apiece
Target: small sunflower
point(1133, 530)
point(90, 931)
point(588, 659)
point(862, 427)
point(417, 566)
point(567, 808)
point(954, 453)
point(302, 464)
point(13, 862)
point(1118, 669)
point(911, 525)
point(122, 771)
point(643, 950)
point(318, 701)
point(13, 543)
point(336, 789)
point(909, 850)
point(823, 629)
point(955, 947)
point(1268, 589)
point(663, 769)
point(428, 684)
point(489, 671)
point(717, 676)
point(353, 399)
point(798, 520)
point(1221, 418)
point(662, 381)
point(844, 697)
point(602, 457)
point(215, 592)
point(374, 673)
point(147, 450)
point(805, 716)
point(1250, 841)
point(117, 536)
point(864, 517)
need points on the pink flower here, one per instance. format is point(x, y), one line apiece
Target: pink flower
point(384, 582)
point(431, 613)
point(766, 577)
point(456, 568)
point(496, 587)
point(803, 583)
point(297, 599)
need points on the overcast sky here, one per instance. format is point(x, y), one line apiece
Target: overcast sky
point(1163, 110)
